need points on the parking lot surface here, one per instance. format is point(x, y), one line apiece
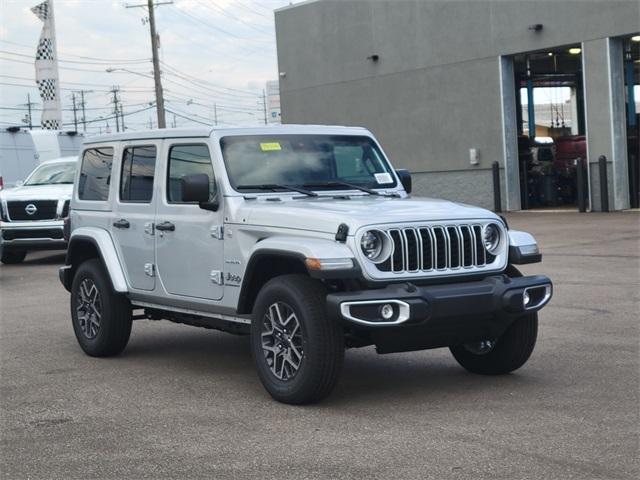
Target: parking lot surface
point(183, 402)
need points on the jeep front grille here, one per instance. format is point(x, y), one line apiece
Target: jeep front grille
point(436, 248)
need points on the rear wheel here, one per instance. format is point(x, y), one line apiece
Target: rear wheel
point(101, 317)
point(505, 354)
point(297, 350)
point(13, 257)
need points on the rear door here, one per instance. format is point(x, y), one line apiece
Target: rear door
point(133, 212)
point(189, 246)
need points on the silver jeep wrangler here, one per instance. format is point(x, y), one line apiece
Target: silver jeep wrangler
point(303, 237)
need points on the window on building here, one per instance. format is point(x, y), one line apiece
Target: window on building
point(188, 160)
point(136, 179)
point(95, 174)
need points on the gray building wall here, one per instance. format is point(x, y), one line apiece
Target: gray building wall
point(436, 90)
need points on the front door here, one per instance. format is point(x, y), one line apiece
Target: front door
point(189, 247)
point(133, 213)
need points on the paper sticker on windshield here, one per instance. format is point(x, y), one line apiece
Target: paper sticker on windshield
point(270, 147)
point(382, 178)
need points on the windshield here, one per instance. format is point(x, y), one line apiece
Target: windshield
point(315, 162)
point(52, 174)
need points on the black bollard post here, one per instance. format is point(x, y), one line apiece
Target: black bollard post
point(580, 179)
point(497, 199)
point(604, 183)
point(634, 182)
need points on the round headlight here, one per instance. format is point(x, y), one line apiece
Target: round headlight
point(375, 245)
point(491, 237)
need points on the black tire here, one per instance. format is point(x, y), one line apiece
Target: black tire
point(510, 352)
point(111, 336)
point(322, 340)
point(13, 257)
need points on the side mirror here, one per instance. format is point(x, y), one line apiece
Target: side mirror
point(405, 179)
point(195, 188)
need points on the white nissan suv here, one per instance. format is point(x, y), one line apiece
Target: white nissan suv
point(304, 238)
point(33, 213)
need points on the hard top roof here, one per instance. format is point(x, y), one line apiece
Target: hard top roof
point(60, 160)
point(221, 132)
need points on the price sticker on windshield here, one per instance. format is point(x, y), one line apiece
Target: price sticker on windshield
point(383, 178)
point(270, 147)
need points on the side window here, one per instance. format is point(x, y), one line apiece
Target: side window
point(136, 178)
point(95, 174)
point(188, 160)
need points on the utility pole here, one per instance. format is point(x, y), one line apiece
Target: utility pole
point(122, 117)
point(82, 105)
point(215, 114)
point(156, 60)
point(156, 66)
point(75, 110)
point(30, 118)
point(264, 105)
point(114, 90)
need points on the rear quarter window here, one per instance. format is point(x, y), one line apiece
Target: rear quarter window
point(95, 174)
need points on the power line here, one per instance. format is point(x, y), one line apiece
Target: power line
point(14, 60)
point(106, 60)
point(212, 85)
point(6, 52)
point(130, 90)
point(228, 14)
point(188, 118)
point(102, 119)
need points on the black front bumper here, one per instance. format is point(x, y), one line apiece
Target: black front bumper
point(439, 315)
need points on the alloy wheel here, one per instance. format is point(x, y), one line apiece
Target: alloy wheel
point(281, 337)
point(89, 308)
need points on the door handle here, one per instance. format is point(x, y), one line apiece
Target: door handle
point(122, 223)
point(165, 227)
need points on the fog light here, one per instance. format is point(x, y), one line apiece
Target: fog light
point(526, 299)
point(386, 311)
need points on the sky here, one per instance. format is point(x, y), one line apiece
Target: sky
point(212, 52)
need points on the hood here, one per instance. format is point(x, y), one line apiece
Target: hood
point(324, 214)
point(37, 192)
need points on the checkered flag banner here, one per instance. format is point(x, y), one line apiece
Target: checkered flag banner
point(47, 68)
point(42, 10)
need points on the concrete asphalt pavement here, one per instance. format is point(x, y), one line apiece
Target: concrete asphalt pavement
point(183, 402)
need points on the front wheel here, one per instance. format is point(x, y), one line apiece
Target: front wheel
point(13, 257)
point(297, 350)
point(101, 317)
point(505, 354)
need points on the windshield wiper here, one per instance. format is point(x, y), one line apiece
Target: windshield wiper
point(275, 186)
point(353, 186)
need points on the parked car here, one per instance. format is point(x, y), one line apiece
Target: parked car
point(303, 237)
point(22, 150)
point(33, 213)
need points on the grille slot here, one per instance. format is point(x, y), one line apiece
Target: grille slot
point(436, 248)
point(45, 210)
point(65, 209)
point(54, 233)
